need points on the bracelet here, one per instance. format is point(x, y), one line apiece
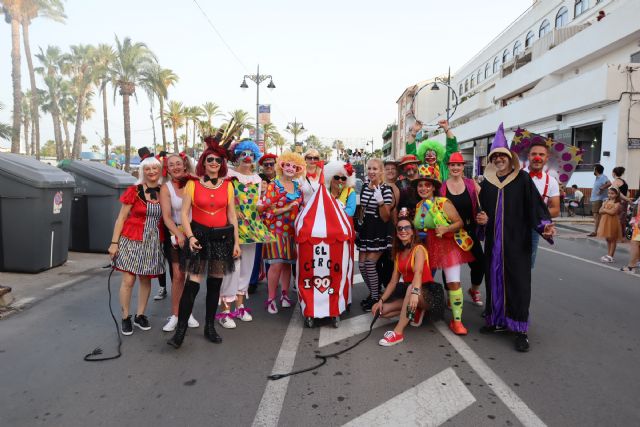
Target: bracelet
point(115, 243)
point(416, 291)
point(189, 238)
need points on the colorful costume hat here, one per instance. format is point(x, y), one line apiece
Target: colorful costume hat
point(409, 159)
point(337, 168)
point(456, 158)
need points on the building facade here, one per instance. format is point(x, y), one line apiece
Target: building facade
point(569, 69)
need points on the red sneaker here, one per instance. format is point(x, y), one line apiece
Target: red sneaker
point(418, 316)
point(476, 297)
point(391, 338)
point(457, 327)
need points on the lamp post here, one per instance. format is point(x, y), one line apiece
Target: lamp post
point(257, 79)
point(434, 86)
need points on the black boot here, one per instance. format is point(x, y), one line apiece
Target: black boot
point(187, 300)
point(213, 295)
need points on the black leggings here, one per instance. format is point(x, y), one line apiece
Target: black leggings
point(167, 249)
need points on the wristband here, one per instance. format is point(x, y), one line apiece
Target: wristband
point(189, 238)
point(115, 243)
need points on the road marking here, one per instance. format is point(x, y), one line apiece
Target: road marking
point(270, 407)
point(22, 302)
point(348, 328)
point(67, 283)
point(520, 409)
point(430, 403)
point(599, 264)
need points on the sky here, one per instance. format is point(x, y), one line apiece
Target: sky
point(338, 66)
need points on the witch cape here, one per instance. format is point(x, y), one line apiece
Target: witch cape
point(515, 208)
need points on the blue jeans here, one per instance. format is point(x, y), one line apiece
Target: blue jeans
point(535, 239)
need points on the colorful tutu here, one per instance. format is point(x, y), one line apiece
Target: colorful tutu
point(216, 254)
point(444, 251)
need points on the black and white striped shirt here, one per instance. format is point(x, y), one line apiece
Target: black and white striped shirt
point(368, 202)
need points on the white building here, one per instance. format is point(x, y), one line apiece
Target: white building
point(559, 71)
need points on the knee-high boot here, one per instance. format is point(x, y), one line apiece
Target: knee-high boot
point(185, 308)
point(213, 295)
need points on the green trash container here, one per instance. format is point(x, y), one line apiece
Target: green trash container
point(35, 213)
point(96, 203)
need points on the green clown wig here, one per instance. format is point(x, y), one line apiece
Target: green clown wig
point(430, 145)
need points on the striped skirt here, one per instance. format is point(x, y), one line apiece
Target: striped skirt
point(143, 257)
point(282, 250)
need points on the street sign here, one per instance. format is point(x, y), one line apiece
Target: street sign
point(633, 143)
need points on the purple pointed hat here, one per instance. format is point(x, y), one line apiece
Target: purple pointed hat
point(499, 144)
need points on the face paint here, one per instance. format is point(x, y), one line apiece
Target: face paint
point(289, 169)
point(430, 157)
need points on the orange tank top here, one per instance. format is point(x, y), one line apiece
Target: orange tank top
point(209, 206)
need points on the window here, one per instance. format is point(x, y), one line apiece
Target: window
point(479, 76)
point(496, 64)
point(635, 58)
point(466, 85)
point(516, 47)
point(486, 71)
point(460, 88)
point(545, 27)
point(579, 7)
point(471, 85)
point(589, 138)
point(529, 39)
point(506, 56)
point(562, 17)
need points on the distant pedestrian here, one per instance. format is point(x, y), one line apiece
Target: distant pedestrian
point(609, 227)
point(623, 187)
point(575, 200)
point(634, 257)
point(136, 245)
point(598, 195)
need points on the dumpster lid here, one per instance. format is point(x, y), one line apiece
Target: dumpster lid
point(98, 172)
point(33, 172)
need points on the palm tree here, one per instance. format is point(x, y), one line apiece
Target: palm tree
point(211, 110)
point(239, 121)
point(156, 81)
point(194, 114)
point(269, 133)
point(104, 59)
point(175, 116)
point(51, 61)
point(11, 10)
point(5, 129)
point(81, 67)
point(26, 122)
point(296, 129)
point(67, 114)
point(132, 61)
point(29, 10)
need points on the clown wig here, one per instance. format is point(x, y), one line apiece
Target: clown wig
point(339, 168)
point(430, 145)
point(248, 145)
point(289, 157)
point(214, 148)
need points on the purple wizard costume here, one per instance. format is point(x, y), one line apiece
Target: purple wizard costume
point(514, 207)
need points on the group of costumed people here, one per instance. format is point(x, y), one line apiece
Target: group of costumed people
point(223, 225)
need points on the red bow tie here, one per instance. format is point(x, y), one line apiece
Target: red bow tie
point(534, 174)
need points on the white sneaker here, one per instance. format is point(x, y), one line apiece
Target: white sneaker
point(285, 302)
point(162, 294)
point(193, 323)
point(226, 321)
point(243, 314)
point(171, 324)
point(271, 306)
point(606, 259)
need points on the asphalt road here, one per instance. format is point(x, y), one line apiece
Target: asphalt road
point(582, 370)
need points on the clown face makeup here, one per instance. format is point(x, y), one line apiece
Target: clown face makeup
point(430, 157)
point(290, 169)
point(246, 156)
point(425, 189)
point(410, 170)
point(537, 157)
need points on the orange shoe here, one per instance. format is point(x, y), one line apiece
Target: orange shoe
point(457, 327)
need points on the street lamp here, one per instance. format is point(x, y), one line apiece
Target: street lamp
point(434, 86)
point(295, 128)
point(257, 79)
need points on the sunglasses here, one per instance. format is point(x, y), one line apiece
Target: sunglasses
point(218, 160)
point(498, 155)
point(339, 178)
point(268, 164)
point(313, 159)
point(402, 228)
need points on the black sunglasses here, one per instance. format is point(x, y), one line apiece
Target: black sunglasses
point(218, 160)
point(401, 228)
point(268, 164)
point(313, 159)
point(338, 177)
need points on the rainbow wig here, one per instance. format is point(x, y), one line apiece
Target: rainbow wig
point(289, 157)
point(248, 144)
point(430, 145)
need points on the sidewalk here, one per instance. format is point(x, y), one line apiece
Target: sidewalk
point(577, 228)
point(28, 289)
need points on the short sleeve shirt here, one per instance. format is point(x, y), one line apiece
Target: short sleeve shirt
point(596, 193)
point(546, 191)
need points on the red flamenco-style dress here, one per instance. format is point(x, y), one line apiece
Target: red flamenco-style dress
point(140, 244)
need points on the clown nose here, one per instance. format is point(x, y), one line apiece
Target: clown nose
point(537, 159)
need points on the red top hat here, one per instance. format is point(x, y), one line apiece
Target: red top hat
point(456, 158)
